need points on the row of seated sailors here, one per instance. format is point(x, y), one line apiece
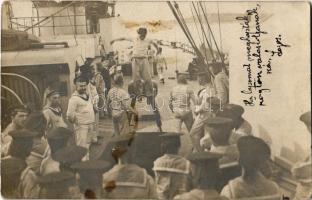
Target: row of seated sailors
point(174, 175)
point(119, 182)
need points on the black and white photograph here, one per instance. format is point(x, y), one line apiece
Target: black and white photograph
point(182, 100)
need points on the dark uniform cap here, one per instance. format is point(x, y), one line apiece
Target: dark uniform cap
point(36, 122)
point(81, 78)
point(170, 135)
point(203, 157)
point(56, 179)
point(237, 110)
point(218, 122)
point(70, 154)
point(91, 173)
point(182, 78)
point(59, 133)
point(252, 147)
point(122, 145)
point(122, 138)
point(91, 165)
point(88, 60)
point(232, 111)
point(22, 134)
point(52, 92)
point(306, 117)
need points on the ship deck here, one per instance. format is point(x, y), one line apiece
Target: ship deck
point(148, 125)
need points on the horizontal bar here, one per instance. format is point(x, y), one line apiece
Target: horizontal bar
point(57, 26)
point(47, 16)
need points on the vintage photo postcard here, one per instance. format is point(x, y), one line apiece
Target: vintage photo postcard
point(156, 100)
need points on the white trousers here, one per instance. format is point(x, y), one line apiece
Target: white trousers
point(84, 134)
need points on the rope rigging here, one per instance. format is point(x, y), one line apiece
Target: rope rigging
point(184, 24)
point(203, 30)
point(212, 35)
point(206, 19)
point(219, 27)
point(208, 42)
point(187, 33)
point(200, 38)
point(183, 27)
point(207, 35)
point(194, 20)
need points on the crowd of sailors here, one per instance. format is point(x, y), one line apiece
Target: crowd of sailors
point(46, 154)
